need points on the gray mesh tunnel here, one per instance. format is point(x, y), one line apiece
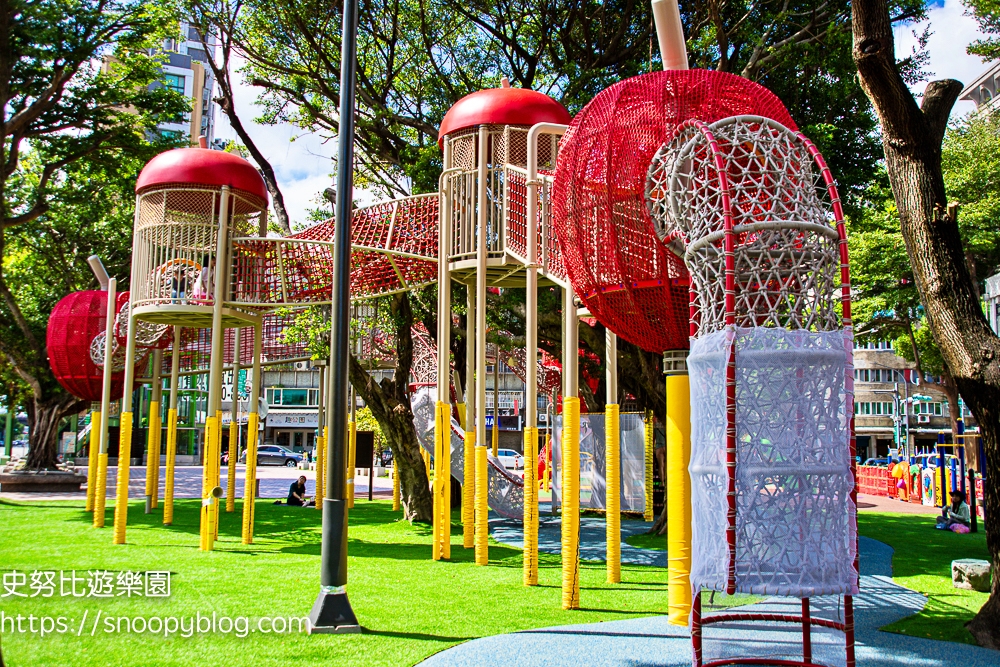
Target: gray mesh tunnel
point(506, 490)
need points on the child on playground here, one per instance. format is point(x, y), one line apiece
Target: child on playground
point(956, 514)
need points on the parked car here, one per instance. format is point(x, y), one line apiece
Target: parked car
point(510, 459)
point(876, 462)
point(275, 455)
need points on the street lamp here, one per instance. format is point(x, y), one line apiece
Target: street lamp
point(332, 611)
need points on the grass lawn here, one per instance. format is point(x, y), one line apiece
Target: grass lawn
point(921, 561)
point(410, 606)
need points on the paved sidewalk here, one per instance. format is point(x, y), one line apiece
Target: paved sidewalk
point(651, 642)
point(274, 483)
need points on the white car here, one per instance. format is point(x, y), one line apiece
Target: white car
point(510, 459)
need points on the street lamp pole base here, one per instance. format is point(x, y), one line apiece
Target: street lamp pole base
point(332, 613)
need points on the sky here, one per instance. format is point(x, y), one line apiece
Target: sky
point(303, 162)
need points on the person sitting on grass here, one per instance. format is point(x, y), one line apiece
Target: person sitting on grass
point(297, 493)
point(955, 514)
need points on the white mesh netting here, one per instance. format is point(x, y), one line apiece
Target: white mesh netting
point(593, 485)
point(795, 530)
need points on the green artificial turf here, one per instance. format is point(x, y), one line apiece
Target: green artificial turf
point(921, 561)
point(409, 605)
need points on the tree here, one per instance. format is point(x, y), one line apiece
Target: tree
point(388, 400)
point(215, 20)
point(74, 80)
point(912, 138)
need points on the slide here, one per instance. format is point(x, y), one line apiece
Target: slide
point(506, 490)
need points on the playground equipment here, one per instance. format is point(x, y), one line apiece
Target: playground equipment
point(680, 208)
point(758, 219)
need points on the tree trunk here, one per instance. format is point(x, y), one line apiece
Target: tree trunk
point(389, 402)
point(911, 138)
point(43, 428)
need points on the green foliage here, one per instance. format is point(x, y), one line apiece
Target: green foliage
point(987, 14)
point(970, 159)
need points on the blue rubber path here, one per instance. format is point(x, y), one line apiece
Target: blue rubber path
point(651, 642)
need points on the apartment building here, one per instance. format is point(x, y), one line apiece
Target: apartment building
point(895, 409)
point(187, 72)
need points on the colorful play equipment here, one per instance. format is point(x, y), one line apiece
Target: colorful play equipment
point(681, 209)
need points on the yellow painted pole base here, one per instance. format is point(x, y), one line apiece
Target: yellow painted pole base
point(469, 490)
point(571, 504)
point(101, 490)
point(168, 482)
point(482, 508)
point(352, 445)
point(250, 480)
point(530, 522)
point(612, 475)
point(121, 489)
point(678, 454)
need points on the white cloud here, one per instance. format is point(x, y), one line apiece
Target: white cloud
point(953, 31)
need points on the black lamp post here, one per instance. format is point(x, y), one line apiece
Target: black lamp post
point(332, 611)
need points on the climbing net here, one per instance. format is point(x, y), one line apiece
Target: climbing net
point(741, 200)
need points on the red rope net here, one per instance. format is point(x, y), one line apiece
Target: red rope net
point(616, 263)
point(73, 324)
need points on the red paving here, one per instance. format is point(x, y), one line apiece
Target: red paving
point(868, 503)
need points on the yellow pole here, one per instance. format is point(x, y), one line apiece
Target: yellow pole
point(571, 504)
point(469, 490)
point(530, 520)
point(155, 432)
point(168, 483)
point(253, 426)
point(678, 432)
point(427, 461)
point(613, 505)
point(647, 513)
point(352, 462)
point(395, 487)
point(570, 455)
point(234, 426)
point(101, 485)
point(125, 441)
point(482, 509)
point(446, 483)
point(321, 441)
point(93, 450)
point(438, 488)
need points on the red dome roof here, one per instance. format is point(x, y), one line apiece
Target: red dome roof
point(502, 106)
point(201, 166)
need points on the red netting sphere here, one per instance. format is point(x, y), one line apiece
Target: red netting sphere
point(628, 280)
point(74, 322)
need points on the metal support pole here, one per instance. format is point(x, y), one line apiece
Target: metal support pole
point(612, 460)
point(670, 34)
point(100, 489)
point(482, 491)
point(154, 434)
point(321, 440)
point(213, 420)
point(495, 439)
point(570, 455)
point(234, 425)
point(253, 430)
point(469, 451)
point(332, 611)
point(168, 483)
point(442, 434)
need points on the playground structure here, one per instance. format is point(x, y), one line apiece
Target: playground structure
point(679, 208)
